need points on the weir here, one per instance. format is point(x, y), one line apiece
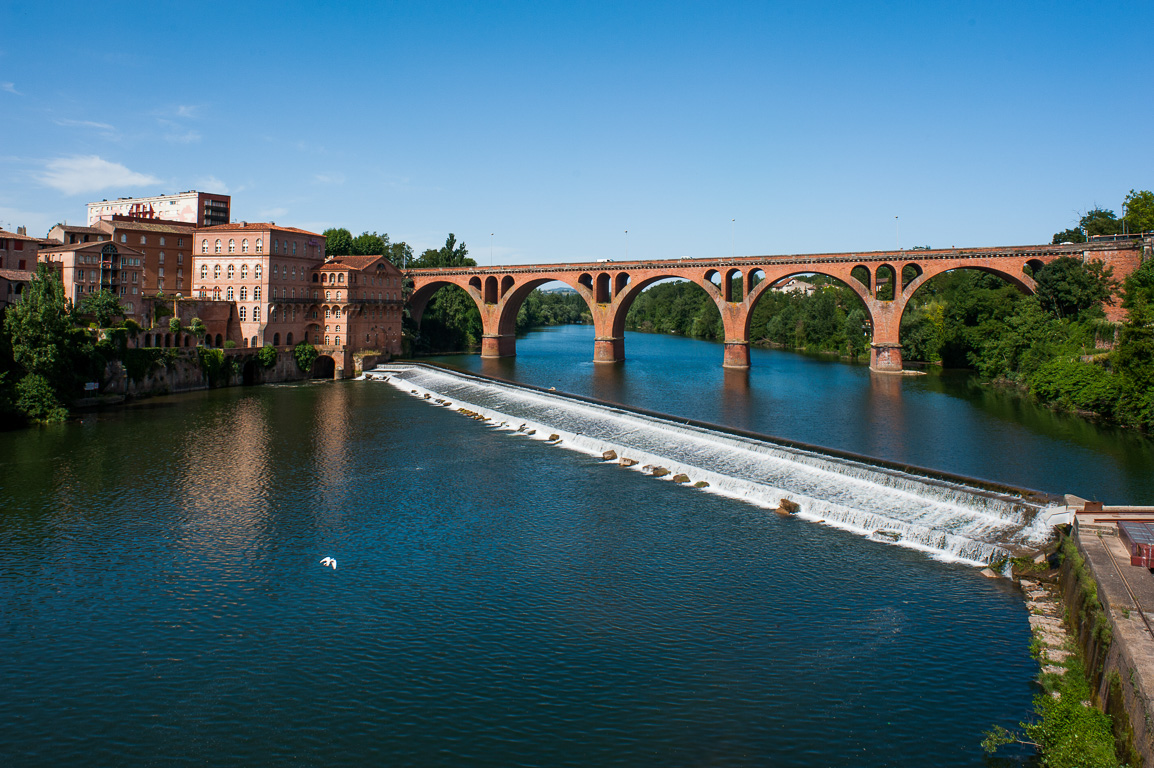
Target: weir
point(949, 517)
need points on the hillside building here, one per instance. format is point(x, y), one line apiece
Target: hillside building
point(202, 209)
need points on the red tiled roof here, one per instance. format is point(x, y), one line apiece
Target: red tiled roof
point(81, 229)
point(95, 244)
point(352, 261)
point(16, 274)
point(13, 236)
point(176, 227)
point(248, 225)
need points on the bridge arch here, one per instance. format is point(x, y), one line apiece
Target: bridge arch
point(759, 292)
point(419, 300)
point(511, 302)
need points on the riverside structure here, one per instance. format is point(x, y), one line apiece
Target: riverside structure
point(736, 285)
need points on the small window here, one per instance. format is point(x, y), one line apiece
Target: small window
point(143, 240)
point(257, 271)
point(243, 312)
point(337, 314)
point(328, 313)
point(162, 239)
point(259, 247)
point(244, 271)
point(180, 258)
point(244, 245)
point(341, 277)
point(256, 293)
point(180, 242)
point(216, 272)
point(294, 247)
point(161, 272)
point(275, 270)
point(275, 245)
point(243, 292)
point(256, 314)
point(230, 271)
point(328, 295)
point(216, 294)
point(218, 246)
point(337, 341)
point(161, 257)
point(231, 246)
point(229, 293)
point(338, 295)
point(204, 246)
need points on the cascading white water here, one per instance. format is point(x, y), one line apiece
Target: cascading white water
point(946, 519)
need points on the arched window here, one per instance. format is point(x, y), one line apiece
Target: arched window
point(295, 273)
point(203, 271)
point(245, 341)
point(228, 294)
point(256, 314)
point(216, 272)
point(337, 312)
point(292, 293)
point(256, 293)
point(324, 277)
point(216, 294)
point(218, 246)
point(243, 314)
point(204, 246)
point(328, 313)
point(244, 245)
point(243, 292)
point(289, 340)
point(259, 246)
point(276, 339)
point(341, 277)
point(337, 341)
point(244, 271)
point(257, 271)
point(328, 294)
point(275, 245)
point(230, 271)
point(326, 340)
point(338, 331)
point(231, 245)
point(338, 295)
point(275, 270)
point(294, 247)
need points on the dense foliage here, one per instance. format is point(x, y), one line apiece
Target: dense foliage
point(1137, 216)
point(340, 242)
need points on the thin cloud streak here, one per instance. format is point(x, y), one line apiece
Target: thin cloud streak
point(90, 173)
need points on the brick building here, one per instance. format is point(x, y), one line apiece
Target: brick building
point(18, 256)
point(87, 268)
point(356, 305)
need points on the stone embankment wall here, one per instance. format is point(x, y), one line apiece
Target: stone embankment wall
point(1105, 597)
point(180, 370)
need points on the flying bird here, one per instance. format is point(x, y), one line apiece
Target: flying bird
point(330, 561)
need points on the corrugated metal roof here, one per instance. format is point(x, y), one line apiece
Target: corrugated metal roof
point(1137, 533)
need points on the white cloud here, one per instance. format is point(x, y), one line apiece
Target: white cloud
point(211, 184)
point(90, 173)
point(329, 178)
point(85, 124)
point(10, 88)
point(186, 110)
point(188, 137)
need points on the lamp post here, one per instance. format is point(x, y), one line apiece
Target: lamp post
point(732, 237)
point(490, 250)
point(897, 233)
point(627, 245)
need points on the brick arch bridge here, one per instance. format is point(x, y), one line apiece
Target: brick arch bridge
point(737, 284)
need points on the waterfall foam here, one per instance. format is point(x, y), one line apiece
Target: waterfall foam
point(948, 518)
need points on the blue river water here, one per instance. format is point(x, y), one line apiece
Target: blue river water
point(497, 601)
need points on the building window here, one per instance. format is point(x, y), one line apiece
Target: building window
point(244, 245)
point(134, 277)
point(328, 295)
point(160, 284)
point(338, 341)
point(341, 277)
point(218, 246)
point(124, 238)
point(244, 271)
point(180, 258)
point(162, 239)
point(294, 247)
point(275, 270)
point(293, 292)
point(143, 240)
point(328, 313)
point(257, 271)
point(256, 293)
point(216, 272)
point(337, 313)
point(216, 294)
point(161, 257)
point(231, 245)
point(259, 247)
point(229, 294)
point(243, 313)
point(243, 292)
point(231, 271)
point(338, 295)
point(204, 246)
point(160, 272)
point(80, 274)
point(180, 242)
point(275, 245)
point(326, 340)
point(338, 331)
point(256, 314)
point(295, 273)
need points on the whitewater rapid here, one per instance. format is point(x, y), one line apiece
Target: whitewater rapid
point(948, 519)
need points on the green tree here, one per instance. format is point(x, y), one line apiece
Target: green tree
point(1069, 236)
point(305, 355)
point(1138, 211)
point(103, 306)
point(451, 254)
point(338, 241)
point(174, 325)
point(370, 244)
point(1068, 287)
point(1100, 221)
point(40, 326)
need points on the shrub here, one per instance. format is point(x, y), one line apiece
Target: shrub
point(305, 355)
point(230, 344)
point(267, 356)
point(36, 398)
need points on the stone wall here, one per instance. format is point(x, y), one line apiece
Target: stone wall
point(180, 370)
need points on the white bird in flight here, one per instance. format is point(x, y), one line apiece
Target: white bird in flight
point(330, 561)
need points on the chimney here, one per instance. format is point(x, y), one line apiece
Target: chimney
point(22, 231)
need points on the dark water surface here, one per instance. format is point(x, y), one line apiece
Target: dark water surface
point(498, 601)
point(940, 421)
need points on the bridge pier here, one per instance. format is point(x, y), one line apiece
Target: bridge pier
point(609, 349)
point(886, 357)
point(736, 354)
point(499, 345)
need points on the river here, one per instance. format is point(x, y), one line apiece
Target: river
point(498, 601)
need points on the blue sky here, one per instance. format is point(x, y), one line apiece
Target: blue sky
point(559, 126)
